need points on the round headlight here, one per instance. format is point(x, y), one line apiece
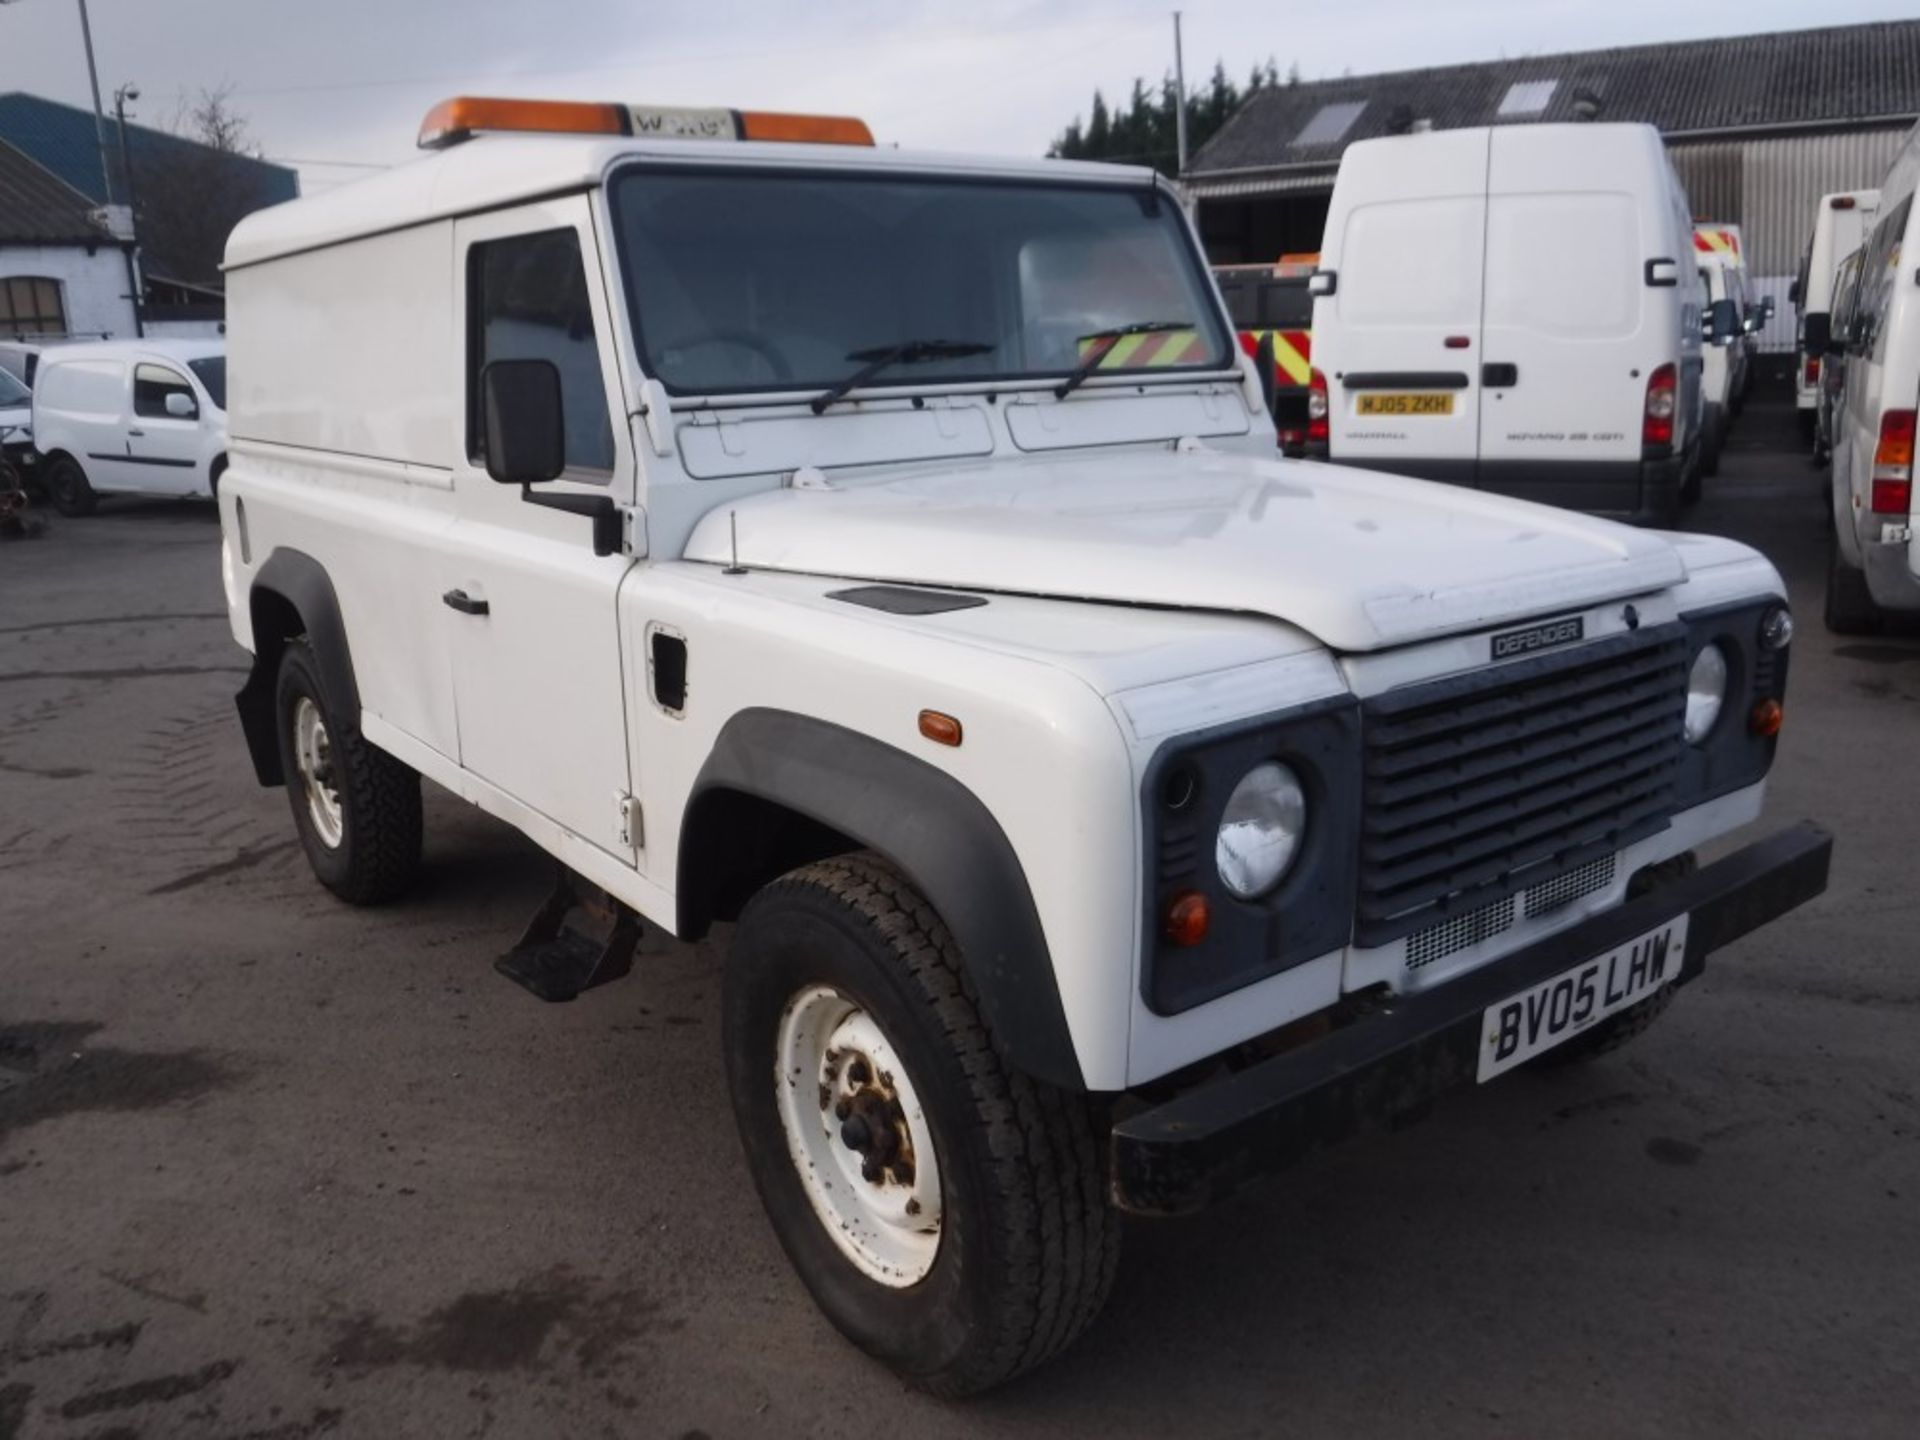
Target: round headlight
point(1260, 833)
point(1706, 692)
point(1776, 629)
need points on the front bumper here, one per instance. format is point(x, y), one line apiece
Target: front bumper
point(1181, 1156)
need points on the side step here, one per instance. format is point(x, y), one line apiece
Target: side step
point(556, 962)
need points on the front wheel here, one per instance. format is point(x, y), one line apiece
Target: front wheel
point(67, 487)
point(947, 1213)
point(356, 808)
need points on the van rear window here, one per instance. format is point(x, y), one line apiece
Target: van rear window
point(1412, 262)
point(1566, 265)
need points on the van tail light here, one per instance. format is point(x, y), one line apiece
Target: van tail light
point(1893, 464)
point(1842, 202)
point(1317, 408)
point(1813, 370)
point(1662, 401)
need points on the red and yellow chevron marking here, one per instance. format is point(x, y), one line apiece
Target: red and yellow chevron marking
point(1292, 353)
point(1145, 352)
point(1711, 241)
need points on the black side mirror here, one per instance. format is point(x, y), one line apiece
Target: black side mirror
point(1793, 293)
point(1818, 334)
point(523, 420)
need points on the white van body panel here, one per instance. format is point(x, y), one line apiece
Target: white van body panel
point(1511, 268)
point(84, 406)
point(1837, 233)
point(1882, 378)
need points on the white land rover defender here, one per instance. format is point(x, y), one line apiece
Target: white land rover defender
point(888, 554)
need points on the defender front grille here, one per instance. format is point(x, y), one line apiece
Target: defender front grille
point(1480, 786)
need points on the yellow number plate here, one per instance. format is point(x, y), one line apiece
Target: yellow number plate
point(1385, 403)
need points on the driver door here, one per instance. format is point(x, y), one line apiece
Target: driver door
point(528, 607)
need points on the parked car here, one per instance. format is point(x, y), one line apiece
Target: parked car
point(1721, 247)
point(889, 554)
point(1516, 309)
point(16, 424)
point(1840, 223)
point(1839, 336)
point(1273, 312)
point(144, 417)
point(1874, 566)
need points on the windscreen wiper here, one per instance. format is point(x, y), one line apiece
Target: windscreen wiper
point(907, 352)
point(1103, 343)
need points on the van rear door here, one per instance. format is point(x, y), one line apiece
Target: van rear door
point(1572, 328)
point(1400, 348)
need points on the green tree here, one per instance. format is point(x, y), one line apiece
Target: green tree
point(1146, 130)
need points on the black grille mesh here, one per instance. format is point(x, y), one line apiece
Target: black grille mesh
point(1479, 786)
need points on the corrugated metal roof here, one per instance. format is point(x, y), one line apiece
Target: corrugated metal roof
point(62, 138)
point(1802, 79)
point(37, 208)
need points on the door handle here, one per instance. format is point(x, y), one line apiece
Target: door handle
point(138, 434)
point(1499, 377)
point(464, 603)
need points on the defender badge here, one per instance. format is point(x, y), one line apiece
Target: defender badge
point(1539, 637)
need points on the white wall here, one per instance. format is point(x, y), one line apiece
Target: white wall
point(93, 288)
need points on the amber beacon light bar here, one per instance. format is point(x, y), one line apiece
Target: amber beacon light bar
point(465, 116)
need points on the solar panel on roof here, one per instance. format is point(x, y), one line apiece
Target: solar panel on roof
point(1527, 97)
point(1330, 122)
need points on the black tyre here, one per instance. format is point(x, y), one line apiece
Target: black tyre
point(1710, 444)
point(66, 486)
point(1849, 609)
point(969, 1237)
point(1809, 423)
point(357, 809)
point(1616, 1030)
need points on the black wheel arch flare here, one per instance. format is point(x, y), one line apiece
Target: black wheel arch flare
point(923, 820)
point(292, 595)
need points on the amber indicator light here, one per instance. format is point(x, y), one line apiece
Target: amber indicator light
point(1766, 718)
point(1187, 919)
point(939, 727)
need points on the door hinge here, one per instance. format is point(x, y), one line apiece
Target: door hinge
point(628, 824)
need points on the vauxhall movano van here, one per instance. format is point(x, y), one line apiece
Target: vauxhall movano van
point(1875, 563)
point(1516, 309)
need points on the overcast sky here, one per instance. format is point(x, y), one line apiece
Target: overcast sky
point(348, 80)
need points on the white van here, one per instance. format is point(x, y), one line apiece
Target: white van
point(1839, 225)
point(1516, 309)
point(146, 417)
point(1875, 562)
point(1725, 365)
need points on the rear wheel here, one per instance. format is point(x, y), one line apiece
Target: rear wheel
point(947, 1213)
point(1850, 609)
point(357, 809)
point(67, 487)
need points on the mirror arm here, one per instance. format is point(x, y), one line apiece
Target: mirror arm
point(598, 508)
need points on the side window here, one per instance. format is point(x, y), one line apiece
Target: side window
point(1879, 263)
point(528, 301)
point(30, 307)
point(152, 384)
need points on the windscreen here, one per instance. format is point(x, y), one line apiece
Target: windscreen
point(13, 394)
point(212, 373)
point(747, 280)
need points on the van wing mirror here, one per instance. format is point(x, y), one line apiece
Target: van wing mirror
point(1663, 272)
point(1766, 309)
point(1263, 359)
point(1817, 334)
point(1323, 283)
point(523, 421)
point(180, 405)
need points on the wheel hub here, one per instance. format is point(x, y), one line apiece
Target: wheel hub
point(313, 754)
point(858, 1137)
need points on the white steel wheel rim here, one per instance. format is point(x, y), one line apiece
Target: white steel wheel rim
point(313, 754)
point(840, 1082)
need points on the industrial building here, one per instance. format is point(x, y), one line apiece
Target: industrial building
point(1759, 127)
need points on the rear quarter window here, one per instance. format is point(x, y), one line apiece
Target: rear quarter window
point(1412, 262)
